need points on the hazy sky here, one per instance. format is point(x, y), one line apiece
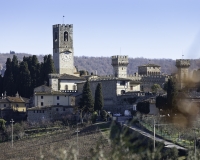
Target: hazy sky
point(141, 28)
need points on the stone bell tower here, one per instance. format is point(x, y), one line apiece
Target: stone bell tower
point(183, 73)
point(120, 64)
point(63, 52)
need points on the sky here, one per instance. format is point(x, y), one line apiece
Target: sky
point(137, 28)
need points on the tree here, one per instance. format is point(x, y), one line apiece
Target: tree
point(98, 104)
point(156, 88)
point(86, 101)
point(143, 107)
point(24, 80)
point(15, 72)
point(1, 85)
point(161, 102)
point(8, 81)
point(172, 95)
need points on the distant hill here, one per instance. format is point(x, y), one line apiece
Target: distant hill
point(103, 64)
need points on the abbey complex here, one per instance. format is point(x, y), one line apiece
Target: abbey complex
point(120, 91)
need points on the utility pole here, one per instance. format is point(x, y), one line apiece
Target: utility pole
point(154, 135)
point(12, 130)
point(77, 131)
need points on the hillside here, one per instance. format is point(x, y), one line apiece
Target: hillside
point(103, 64)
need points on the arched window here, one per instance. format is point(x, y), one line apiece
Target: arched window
point(55, 36)
point(74, 87)
point(65, 36)
point(66, 87)
point(122, 91)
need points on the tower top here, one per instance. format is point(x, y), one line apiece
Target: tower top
point(120, 60)
point(182, 63)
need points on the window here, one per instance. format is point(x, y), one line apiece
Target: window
point(33, 111)
point(58, 97)
point(41, 103)
point(42, 111)
point(41, 97)
point(131, 88)
point(55, 36)
point(122, 83)
point(63, 109)
point(122, 91)
point(66, 87)
point(58, 104)
point(65, 36)
point(17, 105)
point(74, 87)
point(57, 109)
point(4, 105)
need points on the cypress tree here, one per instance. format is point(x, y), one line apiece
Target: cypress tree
point(15, 71)
point(8, 81)
point(34, 72)
point(1, 85)
point(24, 80)
point(87, 102)
point(98, 105)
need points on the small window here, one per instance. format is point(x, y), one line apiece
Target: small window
point(55, 36)
point(42, 111)
point(4, 105)
point(122, 83)
point(17, 105)
point(41, 97)
point(74, 87)
point(65, 36)
point(58, 104)
point(41, 103)
point(33, 111)
point(57, 109)
point(58, 97)
point(63, 109)
point(66, 87)
point(37, 111)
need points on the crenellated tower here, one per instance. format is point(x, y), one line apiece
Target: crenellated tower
point(120, 64)
point(183, 71)
point(63, 52)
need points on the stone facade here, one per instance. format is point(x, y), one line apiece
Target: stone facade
point(183, 71)
point(63, 51)
point(149, 69)
point(48, 113)
point(120, 64)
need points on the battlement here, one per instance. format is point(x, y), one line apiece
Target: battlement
point(120, 60)
point(53, 75)
point(63, 26)
point(120, 57)
point(182, 63)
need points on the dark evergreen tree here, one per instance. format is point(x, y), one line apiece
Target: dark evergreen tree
point(161, 102)
point(24, 80)
point(34, 72)
point(172, 95)
point(8, 81)
point(15, 71)
point(1, 85)
point(47, 67)
point(98, 105)
point(143, 107)
point(86, 101)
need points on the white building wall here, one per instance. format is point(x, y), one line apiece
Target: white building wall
point(122, 87)
point(51, 100)
point(70, 84)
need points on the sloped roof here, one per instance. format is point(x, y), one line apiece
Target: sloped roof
point(15, 99)
point(149, 65)
point(71, 77)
